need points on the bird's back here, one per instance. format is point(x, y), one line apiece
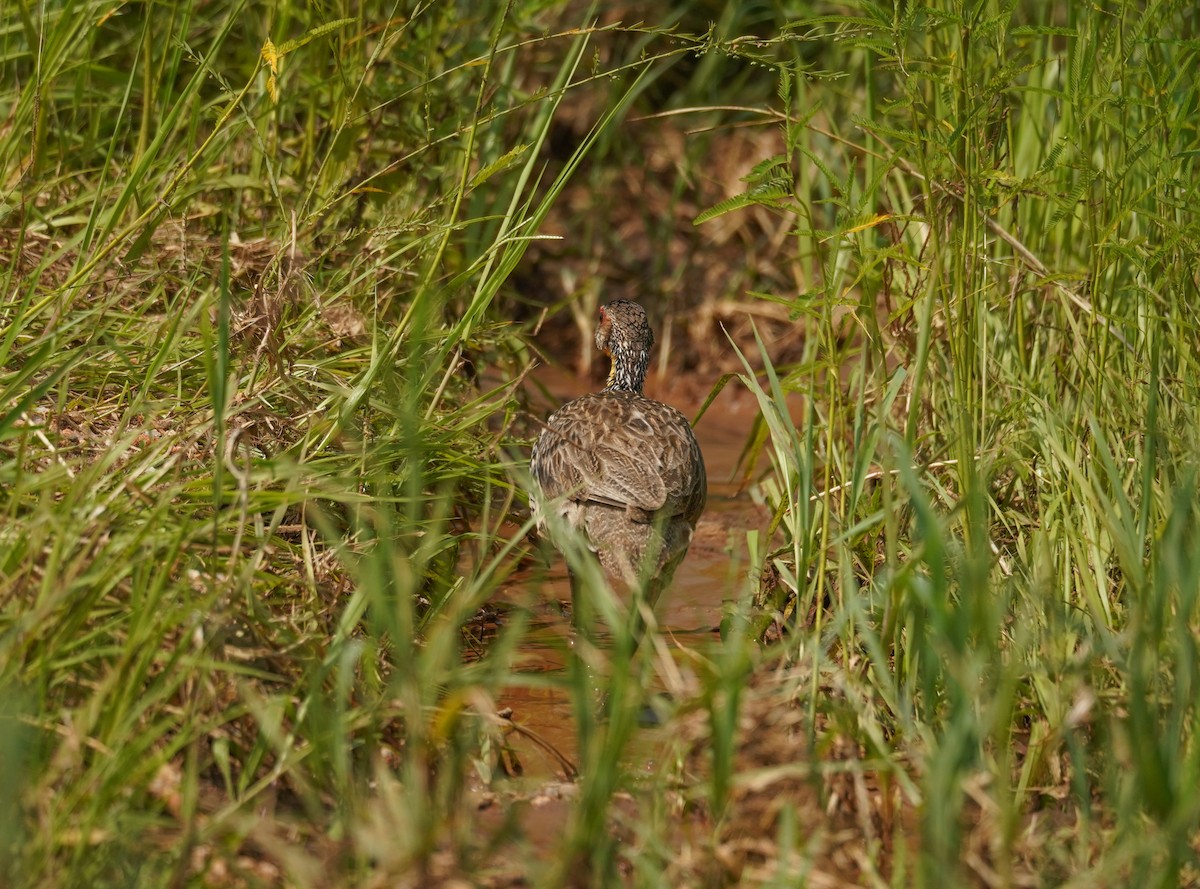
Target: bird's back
point(627, 471)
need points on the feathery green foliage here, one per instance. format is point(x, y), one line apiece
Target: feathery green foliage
point(260, 396)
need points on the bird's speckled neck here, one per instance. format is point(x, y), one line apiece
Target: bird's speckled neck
point(624, 335)
point(628, 372)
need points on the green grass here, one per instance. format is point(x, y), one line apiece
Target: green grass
point(260, 448)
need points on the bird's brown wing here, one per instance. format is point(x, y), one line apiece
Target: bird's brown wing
point(624, 451)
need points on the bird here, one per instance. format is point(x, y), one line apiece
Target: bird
point(623, 470)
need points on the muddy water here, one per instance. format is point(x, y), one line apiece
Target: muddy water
point(689, 612)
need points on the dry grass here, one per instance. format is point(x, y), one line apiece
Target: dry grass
point(263, 336)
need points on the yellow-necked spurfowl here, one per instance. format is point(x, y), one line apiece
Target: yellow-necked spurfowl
point(623, 469)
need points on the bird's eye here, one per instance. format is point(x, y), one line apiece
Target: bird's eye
point(603, 315)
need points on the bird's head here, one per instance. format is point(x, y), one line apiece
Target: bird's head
point(623, 334)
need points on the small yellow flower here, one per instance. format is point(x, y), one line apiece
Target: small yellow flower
point(270, 55)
